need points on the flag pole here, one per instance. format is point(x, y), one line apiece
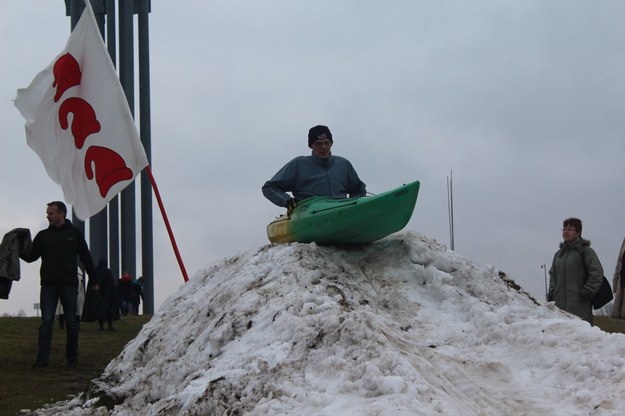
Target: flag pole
point(169, 231)
point(450, 208)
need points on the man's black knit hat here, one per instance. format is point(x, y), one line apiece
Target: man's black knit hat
point(319, 133)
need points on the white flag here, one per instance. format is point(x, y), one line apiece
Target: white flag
point(79, 124)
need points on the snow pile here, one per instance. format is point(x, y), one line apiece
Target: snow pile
point(399, 327)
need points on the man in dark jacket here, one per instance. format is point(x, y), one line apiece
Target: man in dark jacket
point(58, 246)
point(101, 302)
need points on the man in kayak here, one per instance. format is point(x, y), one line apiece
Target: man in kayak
point(320, 174)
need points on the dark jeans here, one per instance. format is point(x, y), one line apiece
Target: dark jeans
point(135, 308)
point(125, 307)
point(49, 298)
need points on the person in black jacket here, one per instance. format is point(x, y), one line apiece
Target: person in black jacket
point(137, 294)
point(58, 246)
point(124, 290)
point(101, 303)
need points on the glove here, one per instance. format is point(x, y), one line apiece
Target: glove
point(290, 206)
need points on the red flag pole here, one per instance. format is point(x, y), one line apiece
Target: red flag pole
point(169, 231)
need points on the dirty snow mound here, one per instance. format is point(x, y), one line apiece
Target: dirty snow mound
point(403, 327)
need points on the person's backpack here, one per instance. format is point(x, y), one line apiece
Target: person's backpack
point(604, 294)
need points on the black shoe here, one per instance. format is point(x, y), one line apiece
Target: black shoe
point(40, 364)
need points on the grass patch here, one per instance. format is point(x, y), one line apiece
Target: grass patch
point(22, 387)
point(607, 324)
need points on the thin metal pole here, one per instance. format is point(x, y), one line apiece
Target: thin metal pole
point(74, 10)
point(450, 209)
point(98, 224)
point(544, 267)
point(147, 237)
point(126, 75)
point(113, 205)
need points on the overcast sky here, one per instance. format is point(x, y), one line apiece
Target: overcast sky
point(523, 100)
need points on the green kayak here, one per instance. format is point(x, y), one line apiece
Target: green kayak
point(346, 221)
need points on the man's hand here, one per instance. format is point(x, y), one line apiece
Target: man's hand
point(290, 206)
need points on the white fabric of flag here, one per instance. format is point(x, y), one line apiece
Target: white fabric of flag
point(79, 123)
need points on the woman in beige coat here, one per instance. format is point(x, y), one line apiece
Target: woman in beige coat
point(618, 285)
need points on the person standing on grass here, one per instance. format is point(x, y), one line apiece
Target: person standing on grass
point(59, 246)
point(124, 290)
point(137, 294)
point(101, 302)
